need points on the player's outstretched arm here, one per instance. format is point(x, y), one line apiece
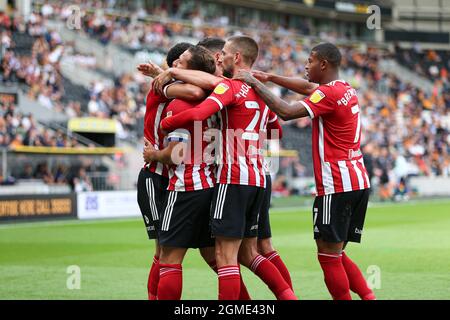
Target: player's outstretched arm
point(283, 109)
point(149, 69)
point(295, 84)
point(202, 112)
point(200, 79)
point(184, 91)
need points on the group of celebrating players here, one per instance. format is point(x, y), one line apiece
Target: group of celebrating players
point(206, 184)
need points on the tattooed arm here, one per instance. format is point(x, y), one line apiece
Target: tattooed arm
point(282, 108)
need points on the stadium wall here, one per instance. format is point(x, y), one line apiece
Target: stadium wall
point(107, 204)
point(123, 204)
point(37, 207)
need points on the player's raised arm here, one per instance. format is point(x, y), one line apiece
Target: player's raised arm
point(200, 79)
point(183, 91)
point(295, 84)
point(282, 108)
point(220, 98)
point(149, 69)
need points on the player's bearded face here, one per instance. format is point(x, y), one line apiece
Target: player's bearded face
point(227, 61)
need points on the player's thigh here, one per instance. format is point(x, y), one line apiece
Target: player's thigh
point(359, 209)
point(254, 204)
point(185, 221)
point(148, 209)
point(228, 211)
point(331, 217)
point(160, 191)
point(264, 230)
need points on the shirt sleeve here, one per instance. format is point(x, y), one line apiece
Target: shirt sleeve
point(152, 95)
point(320, 102)
point(274, 125)
point(222, 94)
point(167, 87)
point(220, 98)
point(272, 117)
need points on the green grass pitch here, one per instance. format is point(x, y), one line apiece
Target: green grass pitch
point(410, 243)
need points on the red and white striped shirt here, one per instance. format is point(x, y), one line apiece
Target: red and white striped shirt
point(242, 115)
point(154, 112)
point(195, 172)
point(337, 158)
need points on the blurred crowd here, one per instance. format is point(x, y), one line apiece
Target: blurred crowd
point(406, 129)
point(18, 129)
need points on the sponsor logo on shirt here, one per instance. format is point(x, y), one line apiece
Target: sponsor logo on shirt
point(317, 96)
point(221, 88)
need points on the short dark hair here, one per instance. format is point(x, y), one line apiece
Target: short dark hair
point(176, 51)
point(328, 51)
point(201, 60)
point(247, 47)
point(212, 44)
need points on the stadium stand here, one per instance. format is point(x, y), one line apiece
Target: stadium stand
point(406, 125)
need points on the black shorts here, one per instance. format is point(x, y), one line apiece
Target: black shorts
point(340, 217)
point(151, 192)
point(264, 231)
point(185, 220)
point(235, 209)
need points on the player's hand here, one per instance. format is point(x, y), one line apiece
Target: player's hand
point(146, 142)
point(246, 76)
point(149, 69)
point(149, 153)
point(161, 80)
point(261, 76)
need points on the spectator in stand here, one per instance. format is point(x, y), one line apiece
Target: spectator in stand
point(81, 181)
point(27, 172)
point(42, 172)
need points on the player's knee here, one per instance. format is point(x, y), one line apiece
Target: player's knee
point(329, 247)
point(265, 246)
point(225, 255)
point(171, 255)
point(247, 253)
point(208, 254)
point(157, 249)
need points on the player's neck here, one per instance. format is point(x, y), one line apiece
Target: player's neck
point(329, 77)
point(240, 67)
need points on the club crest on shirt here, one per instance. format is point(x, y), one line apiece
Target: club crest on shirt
point(317, 96)
point(169, 114)
point(221, 88)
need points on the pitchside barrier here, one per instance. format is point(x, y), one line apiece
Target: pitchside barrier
point(107, 204)
point(83, 205)
point(37, 207)
point(122, 204)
